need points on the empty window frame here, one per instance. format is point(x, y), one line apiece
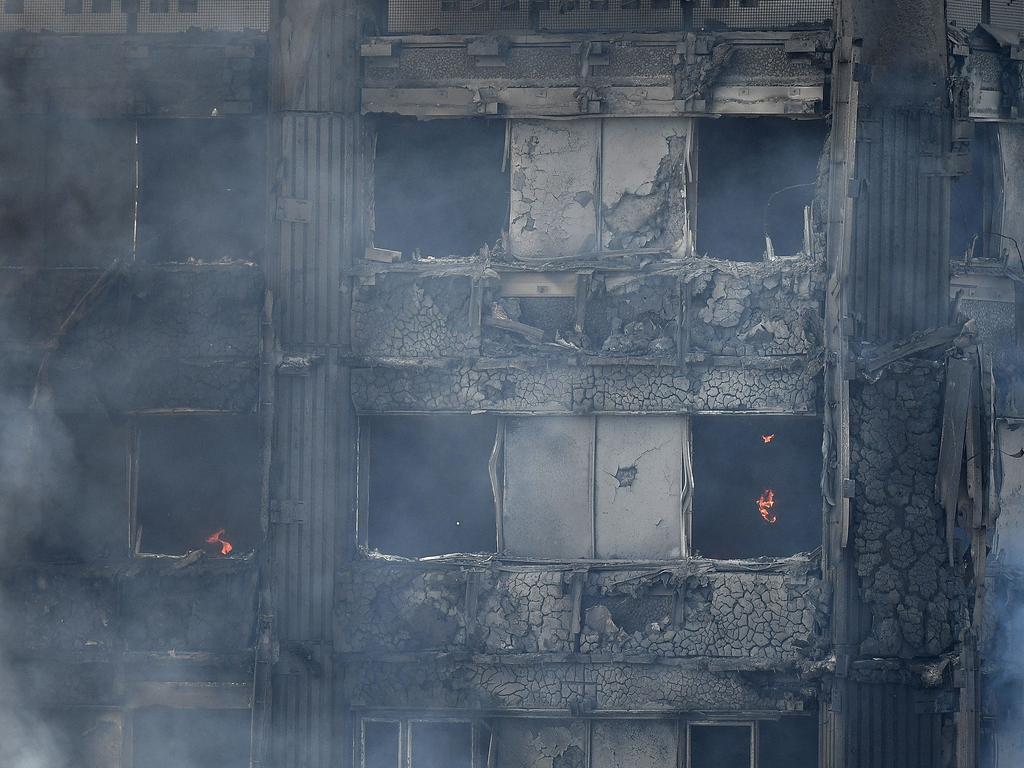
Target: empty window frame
point(196, 484)
point(165, 737)
point(974, 199)
point(755, 185)
point(425, 484)
point(202, 189)
point(423, 743)
point(512, 742)
point(606, 487)
point(757, 485)
point(440, 187)
point(721, 745)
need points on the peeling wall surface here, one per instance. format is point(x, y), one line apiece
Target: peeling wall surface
point(554, 168)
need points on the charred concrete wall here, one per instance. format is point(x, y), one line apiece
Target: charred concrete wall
point(697, 610)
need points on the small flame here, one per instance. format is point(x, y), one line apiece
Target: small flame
point(215, 538)
point(767, 438)
point(765, 502)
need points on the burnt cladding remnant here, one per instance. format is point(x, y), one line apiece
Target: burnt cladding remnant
point(439, 186)
point(741, 460)
point(429, 487)
point(720, 746)
point(755, 177)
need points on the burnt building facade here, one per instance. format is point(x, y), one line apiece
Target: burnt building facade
point(497, 384)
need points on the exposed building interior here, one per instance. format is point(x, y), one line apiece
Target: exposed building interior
point(511, 384)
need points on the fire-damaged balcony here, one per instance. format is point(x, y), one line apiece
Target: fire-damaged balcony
point(625, 73)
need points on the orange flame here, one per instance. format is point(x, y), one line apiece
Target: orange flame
point(765, 502)
point(767, 438)
point(215, 538)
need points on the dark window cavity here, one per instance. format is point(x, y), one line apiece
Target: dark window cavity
point(14, 6)
point(757, 485)
point(973, 198)
point(439, 186)
point(427, 484)
point(381, 744)
point(791, 742)
point(72, 7)
point(159, 6)
point(188, 6)
point(720, 746)
point(198, 484)
point(441, 745)
point(201, 190)
point(197, 738)
point(755, 179)
point(101, 6)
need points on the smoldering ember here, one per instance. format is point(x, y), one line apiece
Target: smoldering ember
point(511, 384)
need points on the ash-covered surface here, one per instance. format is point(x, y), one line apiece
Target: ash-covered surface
point(133, 339)
point(898, 528)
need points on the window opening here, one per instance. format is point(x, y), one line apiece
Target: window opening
point(755, 182)
point(973, 200)
point(427, 482)
point(201, 190)
point(757, 483)
point(197, 485)
point(440, 187)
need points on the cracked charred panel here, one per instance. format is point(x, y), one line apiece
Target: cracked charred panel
point(897, 526)
point(198, 485)
point(439, 187)
point(387, 607)
point(644, 174)
point(149, 338)
point(633, 316)
point(202, 190)
point(755, 177)
point(195, 608)
point(401, 316)
point(765, 309)
point(638, 506)
point(757, 485)
point(714, 614)
point(163, 737)
point(526, 612)
point(554, 188)
point(428, 484)
point(537, 743)
point(633, 744)
point(548, 505)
